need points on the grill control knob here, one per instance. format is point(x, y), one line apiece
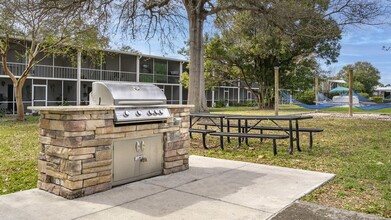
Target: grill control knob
point(138, 113)
point(160, 112)
point(126, 114)
point(155, 112)
point(149, 113)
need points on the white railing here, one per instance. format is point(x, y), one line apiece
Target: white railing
point(110, 75)
point(42, 71)
point(91, 74)
point(15, 68)
point(60, 72)
point(65, 72)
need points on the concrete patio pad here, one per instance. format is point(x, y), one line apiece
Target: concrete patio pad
point(210, 189)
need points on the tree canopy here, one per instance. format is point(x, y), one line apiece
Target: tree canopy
point(45, 28)
point(365, 76)
point(252, 44)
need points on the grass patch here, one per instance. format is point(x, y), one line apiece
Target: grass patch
point(19, 147)
point(357, 151)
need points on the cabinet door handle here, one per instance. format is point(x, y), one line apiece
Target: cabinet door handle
point(138, 147)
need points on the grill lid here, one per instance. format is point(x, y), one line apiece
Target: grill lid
point(116, 93)
point(135, 102)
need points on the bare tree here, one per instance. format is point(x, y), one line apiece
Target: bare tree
point(168, 18)
point(45, 28)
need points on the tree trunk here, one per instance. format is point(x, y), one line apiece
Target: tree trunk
point(18, 86)
point(196, 94)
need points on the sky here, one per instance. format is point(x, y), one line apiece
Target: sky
point(366, 44)
point(358, 44)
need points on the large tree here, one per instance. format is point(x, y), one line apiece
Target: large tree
point(253, 43)
point(365, 76)
point(168, 17)
point(46, 28)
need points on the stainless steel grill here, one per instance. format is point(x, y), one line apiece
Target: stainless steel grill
point(134, 102)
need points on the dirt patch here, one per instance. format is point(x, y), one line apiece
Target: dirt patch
point(360, 116)
point(309, 211)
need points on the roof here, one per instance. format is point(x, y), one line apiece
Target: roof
point(110, 50)
point(337, 80)
point(144, 55)
point(385, 89)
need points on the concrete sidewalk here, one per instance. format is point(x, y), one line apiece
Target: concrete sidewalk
point(210, 189)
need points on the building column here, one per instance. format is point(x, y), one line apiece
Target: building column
point(138, 68)
point(78, 82)
point(119, 67)
point(239, 91)
point(213, 97)
point(180, 84)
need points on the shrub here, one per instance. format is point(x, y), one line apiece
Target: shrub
point(377, 99)
point(306, 97)
point(250, 103)
point(219, 104)
point(366, 95)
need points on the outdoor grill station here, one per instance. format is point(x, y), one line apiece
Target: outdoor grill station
point(127, 133)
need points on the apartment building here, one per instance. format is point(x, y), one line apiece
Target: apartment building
point(67, 80)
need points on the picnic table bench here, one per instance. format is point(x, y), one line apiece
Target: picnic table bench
point(204, 132)
point(270, 128)
point(274, 137)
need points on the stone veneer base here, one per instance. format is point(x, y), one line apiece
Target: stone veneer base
point(76, 155)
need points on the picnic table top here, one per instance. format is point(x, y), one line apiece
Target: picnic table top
point(252, 117)
point(270, 117)
point(208, 115)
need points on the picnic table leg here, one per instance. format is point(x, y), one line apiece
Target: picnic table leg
point(297, 136)
point(290, 137)
point(204, 140)
point(228, 129)
point(261, 132)
point(221, 137)
point(221, 142)
point(311, 141)
point(274, 147)
point(239, 130)
point(246, 127)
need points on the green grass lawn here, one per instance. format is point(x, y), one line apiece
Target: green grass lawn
point(357, 151)
point(19, 147)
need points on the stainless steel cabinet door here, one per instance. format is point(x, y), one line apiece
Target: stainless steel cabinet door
point(136, 159)
point(152, 164)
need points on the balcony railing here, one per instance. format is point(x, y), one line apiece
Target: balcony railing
point(42, 71)
point(59, 72)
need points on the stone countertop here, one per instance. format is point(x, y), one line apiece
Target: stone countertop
point(180, 106)
point(89, 108)
point(71, 108)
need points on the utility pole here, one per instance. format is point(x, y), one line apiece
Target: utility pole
point(350, 91)
point(276, 85)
